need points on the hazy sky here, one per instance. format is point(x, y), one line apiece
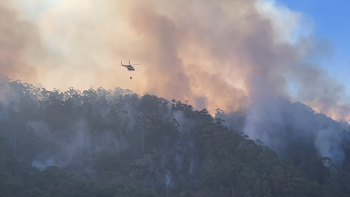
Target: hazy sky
point(331, 23)
point(216, 54)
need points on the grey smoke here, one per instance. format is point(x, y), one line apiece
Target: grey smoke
point(80, 146)
point(276, 122)
point(328, 143)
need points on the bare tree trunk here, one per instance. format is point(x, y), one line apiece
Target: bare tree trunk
point(231, 189)
point(143, 146)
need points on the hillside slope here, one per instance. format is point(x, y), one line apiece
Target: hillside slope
point(117, 143)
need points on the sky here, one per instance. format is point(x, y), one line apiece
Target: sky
point(331, 23)
point(216, 54)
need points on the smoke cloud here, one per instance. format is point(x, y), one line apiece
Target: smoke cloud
point(19, 43)
point(231, 53)
point(216, 54)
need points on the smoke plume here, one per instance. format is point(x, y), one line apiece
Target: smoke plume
point(216, 54)
point(19, 43)
point(231, 53)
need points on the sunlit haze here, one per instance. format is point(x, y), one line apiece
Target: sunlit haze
point(216, 54)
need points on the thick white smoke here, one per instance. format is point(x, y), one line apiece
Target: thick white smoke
point(216, 54)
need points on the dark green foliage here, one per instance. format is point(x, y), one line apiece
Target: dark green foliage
point(117, 143)
point(20, 179)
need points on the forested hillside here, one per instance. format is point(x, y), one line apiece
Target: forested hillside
point(113, 143)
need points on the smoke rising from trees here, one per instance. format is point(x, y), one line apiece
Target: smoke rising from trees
point(218, 54)
point(231, 53)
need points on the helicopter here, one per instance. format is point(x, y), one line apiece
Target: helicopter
point(128, 66)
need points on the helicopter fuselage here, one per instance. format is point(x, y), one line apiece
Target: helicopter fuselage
point(130, 68)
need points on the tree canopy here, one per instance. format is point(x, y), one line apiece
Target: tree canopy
point(116, 143)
